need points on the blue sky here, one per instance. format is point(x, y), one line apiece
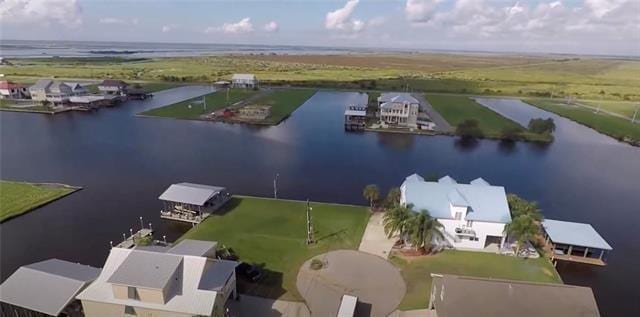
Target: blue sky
point(571, 26)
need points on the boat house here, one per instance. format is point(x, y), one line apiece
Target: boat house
point(192, 202)
point(113, 87)
point(355, 118)
point(244, 81)
point(573, 241)
point(46, 288)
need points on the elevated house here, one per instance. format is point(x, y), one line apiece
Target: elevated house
point(474, 215)
point(461, 296)
point(113, 87)
point(192, 203)
point(52, 91)
point(184, 280)
point(244, 81)
point(398, 109)
point(76, 88)
point(355, 117)
point(11, 90)
point(46, 288)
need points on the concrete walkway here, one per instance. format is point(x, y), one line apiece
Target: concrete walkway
point(374, 240)
point(258, 306)
point(441, 124)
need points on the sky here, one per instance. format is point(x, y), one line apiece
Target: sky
point(540, 26)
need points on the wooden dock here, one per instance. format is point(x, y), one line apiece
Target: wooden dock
point(133, 239)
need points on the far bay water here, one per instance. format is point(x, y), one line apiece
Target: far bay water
point(124, 162)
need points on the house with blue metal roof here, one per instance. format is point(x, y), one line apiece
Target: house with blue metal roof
point(473, 215)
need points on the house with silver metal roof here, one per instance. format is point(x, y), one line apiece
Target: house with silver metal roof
point(192, 203)
point(473, 215)
point(244, 81)
point(46, 288)
point(49, 90)
point(575, 242)
point(398, 109)
point(179, 281)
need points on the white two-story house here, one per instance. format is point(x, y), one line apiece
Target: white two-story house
point(473, 215)
point(398, 109)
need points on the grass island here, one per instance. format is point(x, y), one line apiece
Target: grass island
point(18, 198)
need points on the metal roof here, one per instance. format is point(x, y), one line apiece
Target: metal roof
point(47, 286)
point(574, 233)
point(42, 84)
point(188, 193)
point(194, 247)
point(359, 113)
point(397, 97)
point(243, 77)
point(146, 269)
point(472, 296)
point(215, 274)
point(486, 203)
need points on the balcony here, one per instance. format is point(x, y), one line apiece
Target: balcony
point(465, 232)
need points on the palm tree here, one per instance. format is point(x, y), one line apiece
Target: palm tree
point(523, 228)
point(393, 198)
point(520, 207)
point(395, 220)
point(371, 193)
point(424, 231)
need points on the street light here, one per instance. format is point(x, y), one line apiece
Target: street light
point(141, 223)
point(275, 186)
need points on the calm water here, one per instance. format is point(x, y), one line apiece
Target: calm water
point(125, 162)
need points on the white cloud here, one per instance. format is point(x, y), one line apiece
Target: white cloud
point(420, 11)
point(169, 27)
point(341, 20)
point(64, 12)
point(242, 26)
point(602, 7)
point(110, 20)
point(271, 27)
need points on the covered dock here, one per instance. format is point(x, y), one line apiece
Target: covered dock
point(355, 118)
point(192, 203)
point(575, 242)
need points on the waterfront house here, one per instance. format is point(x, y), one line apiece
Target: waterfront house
point(462, 296)
point(76, 88)
point(183, 280)
point(52, 91)
point(473, 215)
point(398, 109)
point(46, 288)
point(254, 112)
point(244, 81)
point(355, 117)
point(192, 203)
point(11, 90)
point(575, 242)
point(113, 87)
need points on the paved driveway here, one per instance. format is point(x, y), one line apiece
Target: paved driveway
point(251, 306)
point(376, 282)
point(374, 240)
point(441, 124)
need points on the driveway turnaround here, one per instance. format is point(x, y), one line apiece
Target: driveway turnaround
point(374, 240)
point(441, 124)
point(376, 283)
point(266, 307)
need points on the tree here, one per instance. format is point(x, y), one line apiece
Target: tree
point(469, 129)
point(522, 207)
point(371, 193)
point(541, 126)
point(393, 198)
point(523, 228)
point(423, 231)
point(510, 133)
point(395, 221)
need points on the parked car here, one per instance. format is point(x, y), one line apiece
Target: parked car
point(250, 272)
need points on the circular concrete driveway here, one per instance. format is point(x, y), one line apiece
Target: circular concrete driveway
point(376, 282)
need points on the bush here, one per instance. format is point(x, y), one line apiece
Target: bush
point(541, 126)
point(511, 133)
point(316, 264)
point(469, 129)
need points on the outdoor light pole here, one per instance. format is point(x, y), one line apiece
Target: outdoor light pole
point(309, 225)
point(141, 223)
point(275, 186)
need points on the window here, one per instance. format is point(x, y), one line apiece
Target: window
point(458, 215)
point(469, 223)
point(128, 310)
point(132, 293)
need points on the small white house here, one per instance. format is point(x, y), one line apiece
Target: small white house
point(244, 81)
point(473, 215)
point(399, 109)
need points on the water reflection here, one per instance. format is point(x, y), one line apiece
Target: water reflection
point(466, 144)
point(507, 146)
point(396, 141)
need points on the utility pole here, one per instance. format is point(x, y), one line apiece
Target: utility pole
point(227, 95)
point(310, 239)
point(633, 120)
point(275, 186)
point(204, 101)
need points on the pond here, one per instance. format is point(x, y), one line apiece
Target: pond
point(124, 163)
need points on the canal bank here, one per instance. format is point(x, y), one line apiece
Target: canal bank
point(125, 162)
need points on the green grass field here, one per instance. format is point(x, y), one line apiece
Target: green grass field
point(456, 109)
point(272, 233)
point(191, 109)
point(17, 198)
point(283, 102)
point(624, 108)
point(613, 126)
point(416, 271)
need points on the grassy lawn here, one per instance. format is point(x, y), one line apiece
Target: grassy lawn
point(283, 102)
point(17, 198)
point(272, 233)
point(613, 126)
point(215, 101)
point(624, 108)
point(416, 271)
point(456, 109)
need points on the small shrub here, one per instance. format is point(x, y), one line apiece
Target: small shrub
point(316, 264)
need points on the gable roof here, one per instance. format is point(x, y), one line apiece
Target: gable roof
point(189, 193)
point(4, 84)
point(574, 233)
point(485, 202)
point(397, 97)
point(113, 83)
point(146, 269)
point(42, 84)
point(47, 286)
point(472, 296)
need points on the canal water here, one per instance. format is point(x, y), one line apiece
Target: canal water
point(124, 162)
